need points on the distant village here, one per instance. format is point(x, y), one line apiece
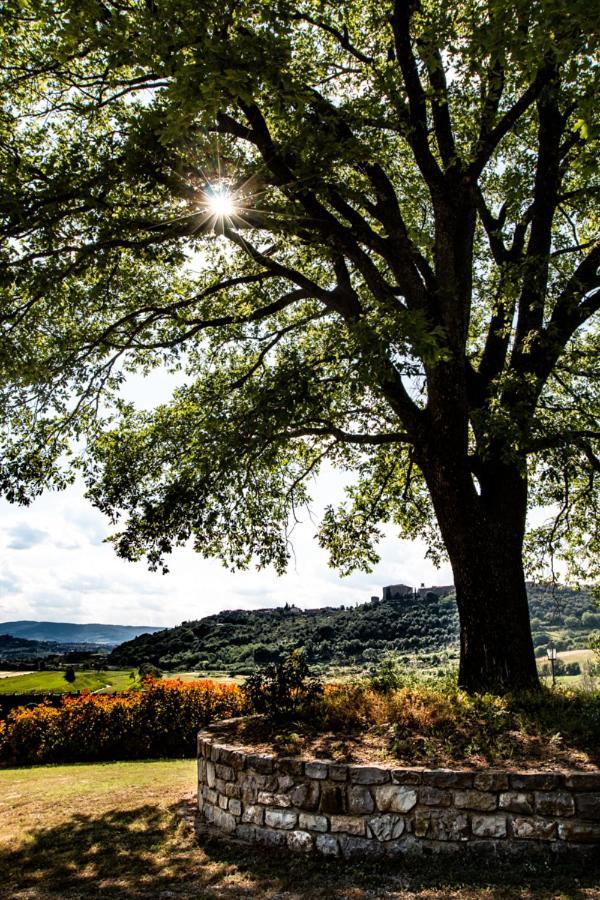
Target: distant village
point(406, 592)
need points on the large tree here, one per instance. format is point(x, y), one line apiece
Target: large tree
point(365, 231)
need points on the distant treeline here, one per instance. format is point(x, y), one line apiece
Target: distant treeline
point(241, 639)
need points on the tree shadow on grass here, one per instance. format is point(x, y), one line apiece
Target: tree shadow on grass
point(148, 853)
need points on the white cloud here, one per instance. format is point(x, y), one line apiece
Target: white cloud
point(22, 536)
point(71, 575)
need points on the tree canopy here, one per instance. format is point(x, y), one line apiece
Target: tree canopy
point(366, 232)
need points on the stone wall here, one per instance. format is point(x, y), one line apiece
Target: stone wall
point(353, 810)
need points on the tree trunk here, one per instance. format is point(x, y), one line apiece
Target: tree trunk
point(496, 649)
point(483, 532)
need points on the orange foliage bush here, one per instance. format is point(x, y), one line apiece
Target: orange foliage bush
point(160, 720)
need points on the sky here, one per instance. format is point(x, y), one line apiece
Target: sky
point(55, 564)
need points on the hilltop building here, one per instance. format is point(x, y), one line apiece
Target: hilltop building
point(405, 591)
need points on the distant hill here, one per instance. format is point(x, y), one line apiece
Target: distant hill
point(71, 633)
point(238, 640)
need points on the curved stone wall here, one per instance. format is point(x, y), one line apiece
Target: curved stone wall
point(318, 806)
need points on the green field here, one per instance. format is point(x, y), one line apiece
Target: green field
point(55, 683)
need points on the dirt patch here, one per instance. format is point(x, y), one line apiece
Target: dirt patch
point(378, 746)
point(13, 674)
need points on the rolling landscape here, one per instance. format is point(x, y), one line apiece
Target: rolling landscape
point(297, 298)
point(418, 629)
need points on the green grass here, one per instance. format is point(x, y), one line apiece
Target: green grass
point(110, 832)
point(53, 682)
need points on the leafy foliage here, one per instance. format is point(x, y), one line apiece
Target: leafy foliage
point(162, 719)
point(283, 690)
point(407, 287)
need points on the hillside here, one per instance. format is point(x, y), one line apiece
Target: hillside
point(237, 640)
point(13, 647)
point(71, 633)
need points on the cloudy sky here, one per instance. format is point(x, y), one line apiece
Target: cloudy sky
point(56, 566)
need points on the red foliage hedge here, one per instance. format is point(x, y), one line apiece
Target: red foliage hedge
point(160, 720)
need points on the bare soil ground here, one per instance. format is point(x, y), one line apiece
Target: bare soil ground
point(113, 831)
point(375, 746)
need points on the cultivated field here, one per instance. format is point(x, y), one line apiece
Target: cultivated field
point(54, 682)
point(111, 831)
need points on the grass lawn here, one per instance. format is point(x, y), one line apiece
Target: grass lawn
point(53, 682)
point(110, 831)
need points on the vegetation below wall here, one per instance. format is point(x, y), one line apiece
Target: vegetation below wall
point(238, 640)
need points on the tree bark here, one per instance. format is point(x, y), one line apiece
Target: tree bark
point(483, 527)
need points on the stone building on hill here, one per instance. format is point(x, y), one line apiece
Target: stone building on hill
point(404, 591)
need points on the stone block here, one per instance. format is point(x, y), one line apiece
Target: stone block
point(431, 796)
point(210, 795)
point(555, 803)
point(533, 828)
point(224, 753)
point(290, 765)
point(224, 820)
point(270, 838)
point(489, 826)
point(445, 778)
point(421, 822)
point(360, 800)
point(269, 799)
point(395, 798)
point(233, 790)
point(406, 776)
point(333, 799)
point(260, 762)
point(481, 800)
point(225, 773)
point(316, 769)
point(368, 775)
point(579, 832)
point(223, 801)
point(246, 833)
point(235, 807)
point(583, 781)
point(386, 827)
point(284, 783)
point(534, 781)
point(281, 818)
point(237, 760)
point(313, 822)
point(588, 806)
point(249, 794)
point(254, 815)
point(517, 802)
point(201, 770)
point(349, 824)
point(338, 772)
point(210, 774)
point(448, 825)
point(355, 847)
point(490, 781)
point(306, 796)
point(327, 845)
point(300, 841)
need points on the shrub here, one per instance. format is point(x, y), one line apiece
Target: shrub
point(436, 721)
point(386, 676)
point(70, 674)
point(160, 720)
point(284, 689)
point(148, 670)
